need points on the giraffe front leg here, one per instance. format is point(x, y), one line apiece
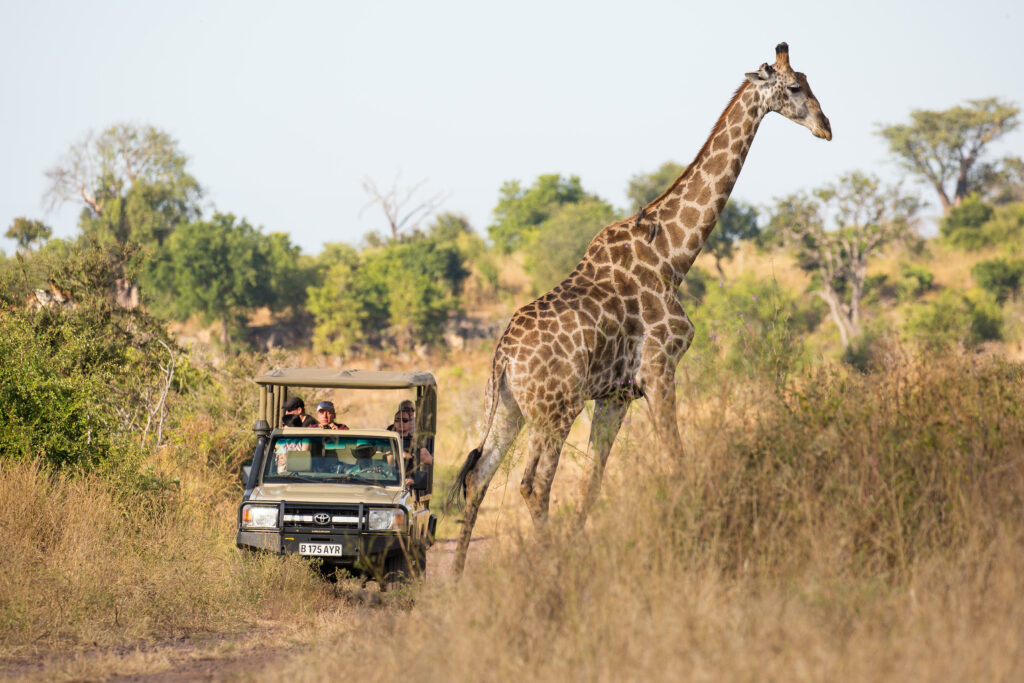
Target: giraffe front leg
point(657, 378)
point(608, 416)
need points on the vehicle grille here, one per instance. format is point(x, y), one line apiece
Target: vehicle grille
point(303, 517)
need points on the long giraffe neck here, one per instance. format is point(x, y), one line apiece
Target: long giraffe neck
point(689, 209)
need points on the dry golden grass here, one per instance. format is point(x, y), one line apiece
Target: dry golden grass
point(856, 531)
point(846, 527)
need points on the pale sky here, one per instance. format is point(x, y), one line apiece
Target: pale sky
point(283, 109)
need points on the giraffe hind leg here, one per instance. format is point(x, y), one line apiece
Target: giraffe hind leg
point(507, 423)
point(544, 450)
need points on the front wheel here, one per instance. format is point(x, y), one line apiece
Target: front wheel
point(396, 572)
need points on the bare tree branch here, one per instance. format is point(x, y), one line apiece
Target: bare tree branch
point(403, 209)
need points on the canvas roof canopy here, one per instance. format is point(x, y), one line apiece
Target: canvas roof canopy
point(346, 379)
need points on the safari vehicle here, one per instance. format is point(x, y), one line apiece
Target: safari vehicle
point(340, 495)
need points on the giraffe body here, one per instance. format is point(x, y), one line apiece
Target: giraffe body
point(615, 329)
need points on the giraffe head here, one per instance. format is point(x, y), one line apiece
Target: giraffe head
point(787, 92)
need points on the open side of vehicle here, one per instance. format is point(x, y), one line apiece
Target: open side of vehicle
point(341, 495)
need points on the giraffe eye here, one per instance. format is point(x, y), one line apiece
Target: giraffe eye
point(794, 88)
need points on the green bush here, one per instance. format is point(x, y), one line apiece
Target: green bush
point(914, 281)
point(963, 225)
point(75, 382)
point(757, 324)
point(954, 318)
point(999, 277)
point(398, 293)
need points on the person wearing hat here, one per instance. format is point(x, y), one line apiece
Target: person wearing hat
point(325, 416)
point(295, 414)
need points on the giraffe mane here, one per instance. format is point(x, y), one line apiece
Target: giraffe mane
point(715, 130)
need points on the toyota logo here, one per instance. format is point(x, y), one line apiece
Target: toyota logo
point(322, 518)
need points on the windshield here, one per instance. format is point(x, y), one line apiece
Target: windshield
point(332, 458)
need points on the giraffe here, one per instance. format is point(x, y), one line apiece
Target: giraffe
point(614, 330)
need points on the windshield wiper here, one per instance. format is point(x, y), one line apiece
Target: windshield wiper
point(355, 478)
point(296, 475)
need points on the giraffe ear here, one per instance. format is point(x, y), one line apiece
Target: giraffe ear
point(766, 74)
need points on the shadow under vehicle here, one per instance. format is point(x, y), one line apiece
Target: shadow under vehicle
point(347, 497)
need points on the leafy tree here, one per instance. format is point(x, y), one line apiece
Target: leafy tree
point(132, 183)
point(1002, 181)
point(345, 306)
point(521, 211)
point(27, 232)
point(222, 271)
point(401, 292)
point(944, 148)
point(999, 277)
point(737, 222)
point(646, 187)
point(78, 384)
point(561, 240)
point(867, 217)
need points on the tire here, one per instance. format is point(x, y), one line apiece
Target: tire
point(396, 572)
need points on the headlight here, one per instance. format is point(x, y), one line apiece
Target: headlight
point(382, 520)
point(259, 517)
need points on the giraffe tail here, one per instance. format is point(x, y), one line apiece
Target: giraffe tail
point(457, 493)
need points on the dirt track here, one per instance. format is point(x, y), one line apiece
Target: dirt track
point(202, 658)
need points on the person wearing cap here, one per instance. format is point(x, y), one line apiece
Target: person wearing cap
point(325, 416)
point(295, 414)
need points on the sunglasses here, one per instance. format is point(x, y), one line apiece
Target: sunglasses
point(404, 419)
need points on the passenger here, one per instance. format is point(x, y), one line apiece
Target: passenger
point(295, 406)
point(404, 424)
point(405, 420)
point(325, 416)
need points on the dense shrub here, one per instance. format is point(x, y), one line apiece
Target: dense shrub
point(975, 224)
point(962, 226)
point(914, 281)
point(956, 318)
point(758, 325)
point(83, 381)
point(999, 277)
point(399, 293)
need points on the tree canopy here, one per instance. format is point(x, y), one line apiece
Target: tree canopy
point(866, 217)
point(560, 241)
point(646, 187)
point(222, 270)
point(398, 293)
point(26, 232)
point(738, 221)
point(132, 183)
point(944, 149)
point(521, 211)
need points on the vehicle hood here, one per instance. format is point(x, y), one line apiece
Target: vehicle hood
point(306, 492)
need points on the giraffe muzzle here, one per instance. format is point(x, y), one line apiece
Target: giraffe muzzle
point(823, 129)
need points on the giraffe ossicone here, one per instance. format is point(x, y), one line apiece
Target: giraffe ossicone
point(614, 329)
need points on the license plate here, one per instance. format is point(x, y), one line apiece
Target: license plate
point(328, 549)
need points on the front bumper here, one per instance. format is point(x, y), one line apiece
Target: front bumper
point(355, 546)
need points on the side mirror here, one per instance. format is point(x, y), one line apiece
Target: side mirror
point(420, 480)
point(246, 471)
